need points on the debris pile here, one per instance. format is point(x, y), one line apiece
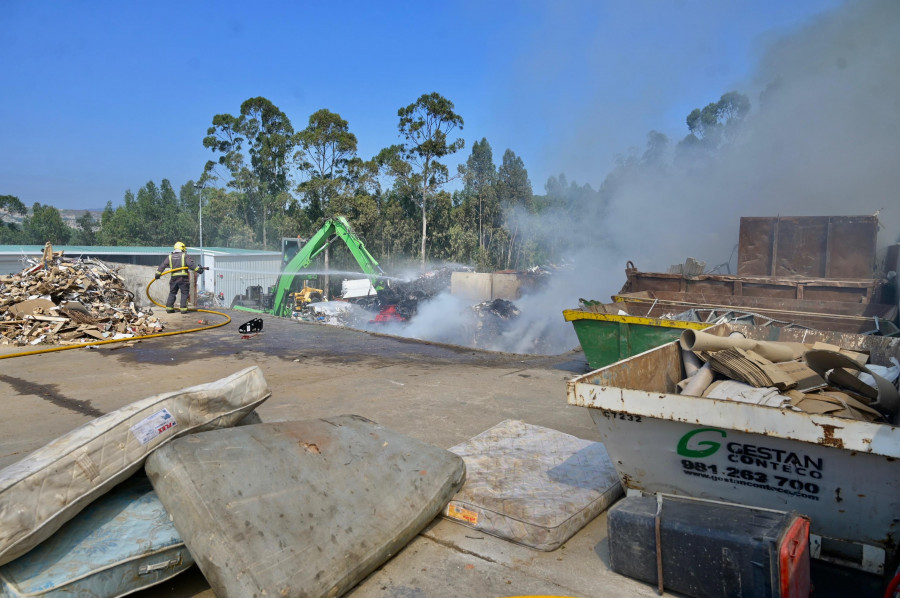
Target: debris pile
point(57, 300)
point(817, 378)
point(491, 320)
point(336, 313)
point(407, 295)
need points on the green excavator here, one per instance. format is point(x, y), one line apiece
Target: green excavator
point(284, 295)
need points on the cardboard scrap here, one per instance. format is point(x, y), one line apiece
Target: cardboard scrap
point(803, 382)
point(860, 358)
point(749, 367)
point(804, 377)
point(29, 306)
point(834, 402)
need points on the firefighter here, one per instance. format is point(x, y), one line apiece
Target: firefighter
point(180, 279)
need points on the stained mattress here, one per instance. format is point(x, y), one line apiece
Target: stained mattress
point(121, 543)
point(304, 508)
point(41, 492)
point(532, 485)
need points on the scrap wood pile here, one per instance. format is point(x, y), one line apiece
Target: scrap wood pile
point(815, 378)
point(58, 300)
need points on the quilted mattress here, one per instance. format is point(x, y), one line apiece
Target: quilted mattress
point(121, 543)
point(48, 487)
point(532, 485)
point(300, 508)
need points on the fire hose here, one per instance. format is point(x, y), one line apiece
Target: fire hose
point(132, 338)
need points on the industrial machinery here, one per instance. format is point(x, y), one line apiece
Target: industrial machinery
point(282, 299)
point(307, 295)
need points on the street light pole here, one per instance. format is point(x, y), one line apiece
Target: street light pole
point(199, 187)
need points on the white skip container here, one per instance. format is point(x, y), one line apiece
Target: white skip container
point(843, 474)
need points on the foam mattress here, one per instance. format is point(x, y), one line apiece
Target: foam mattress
point(47, 488)
point(302, 508)
point(121, 543)
point(532, 485)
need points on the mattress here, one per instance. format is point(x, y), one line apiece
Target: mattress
point(532, 485)
point(121, 543)
point(48, 487)
point(300, 508)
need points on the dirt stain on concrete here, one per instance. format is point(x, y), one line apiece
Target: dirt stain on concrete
point(49, 392)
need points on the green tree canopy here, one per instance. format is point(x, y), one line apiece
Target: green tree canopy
point(480, 176)
point(45, 224)
point(86, 233)
point(326, 147)
point(715, 124)
point(10, 204)
point(266, 134)
point(516, 197)
point(426, 125)
point(10, 232)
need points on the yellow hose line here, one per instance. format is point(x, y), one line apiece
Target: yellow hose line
point(133, 338)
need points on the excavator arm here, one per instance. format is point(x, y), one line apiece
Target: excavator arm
point(336, 228)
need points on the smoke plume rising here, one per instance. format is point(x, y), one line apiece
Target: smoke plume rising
point(822, 139)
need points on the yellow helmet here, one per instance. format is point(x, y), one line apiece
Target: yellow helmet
point(179, 246)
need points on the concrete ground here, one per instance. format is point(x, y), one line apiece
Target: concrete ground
point(438, 394)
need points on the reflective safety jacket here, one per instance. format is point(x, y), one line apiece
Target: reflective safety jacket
point(178, 259)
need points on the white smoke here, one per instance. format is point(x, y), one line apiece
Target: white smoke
point(822, 139)
point(444, 318)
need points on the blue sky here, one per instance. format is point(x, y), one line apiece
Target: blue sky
point(102, 97)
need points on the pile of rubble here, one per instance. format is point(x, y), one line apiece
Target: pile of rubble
point(56, 300)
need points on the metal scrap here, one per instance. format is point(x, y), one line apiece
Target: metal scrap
point(406, 295)
point(58, 300)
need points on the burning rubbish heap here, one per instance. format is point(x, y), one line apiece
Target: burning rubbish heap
point(396, 301)
point(404, 296)
point(57, 300)
point(428, 308)
point(491, 320)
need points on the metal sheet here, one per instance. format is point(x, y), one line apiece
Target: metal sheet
point(607, 338)
point(230, 275)
point(822, 315)
point(857, 290)
point(819, 246)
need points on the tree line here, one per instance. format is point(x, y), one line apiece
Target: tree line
point(267, 180)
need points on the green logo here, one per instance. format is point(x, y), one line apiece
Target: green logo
point(710, 445)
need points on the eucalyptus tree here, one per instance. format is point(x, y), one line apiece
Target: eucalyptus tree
point(426, 126)
point(86, 233)
point(325, 148)
point(480, 176)
point(516, 197)
point(714, 124)
point(10, 204)
point(265, 133)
